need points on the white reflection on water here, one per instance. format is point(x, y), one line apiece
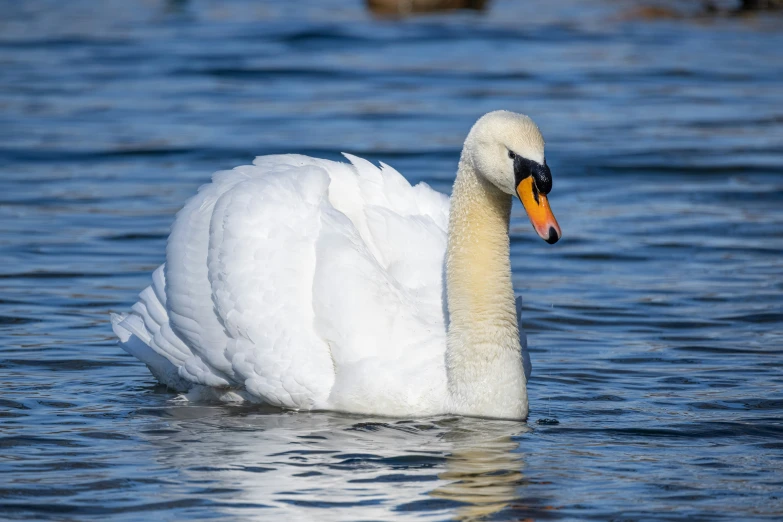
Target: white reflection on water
point(337, 467)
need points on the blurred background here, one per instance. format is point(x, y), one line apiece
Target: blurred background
point(655, 325)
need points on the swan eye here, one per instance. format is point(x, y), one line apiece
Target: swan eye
point(511, 155)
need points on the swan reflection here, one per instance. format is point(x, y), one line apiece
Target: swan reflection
point(482, 472)
point(243, 461)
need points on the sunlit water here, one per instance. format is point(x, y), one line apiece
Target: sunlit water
point(655, 324)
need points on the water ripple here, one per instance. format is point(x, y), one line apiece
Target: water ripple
point(654, 326)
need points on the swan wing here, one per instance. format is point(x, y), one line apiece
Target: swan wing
point(378, 290)
point(260, 267)
point(188, 291)
point(305, 283)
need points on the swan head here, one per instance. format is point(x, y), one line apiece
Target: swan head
point(508, 150)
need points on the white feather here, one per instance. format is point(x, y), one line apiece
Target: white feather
point(303, 283)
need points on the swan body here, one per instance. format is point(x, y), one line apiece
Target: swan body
point(310, 284)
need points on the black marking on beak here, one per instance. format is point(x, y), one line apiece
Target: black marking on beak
point(542, 176)
point(552, 237)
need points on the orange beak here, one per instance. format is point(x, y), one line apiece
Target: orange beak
point(537, 208)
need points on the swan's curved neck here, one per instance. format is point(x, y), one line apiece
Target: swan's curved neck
point(483, 359)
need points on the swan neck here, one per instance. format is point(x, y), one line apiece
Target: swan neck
point(478, 267)
point(483, 356)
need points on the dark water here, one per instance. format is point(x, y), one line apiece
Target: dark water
point(655, 324)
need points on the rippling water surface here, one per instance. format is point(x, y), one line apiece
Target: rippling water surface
point(655, 324)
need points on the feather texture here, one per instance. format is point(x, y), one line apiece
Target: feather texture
point(303, 283)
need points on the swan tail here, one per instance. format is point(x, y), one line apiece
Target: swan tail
point(146, 334)
point(161, 368)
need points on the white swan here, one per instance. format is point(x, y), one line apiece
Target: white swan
point(315, 285)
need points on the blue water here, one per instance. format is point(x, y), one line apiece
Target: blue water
point(655, 325)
